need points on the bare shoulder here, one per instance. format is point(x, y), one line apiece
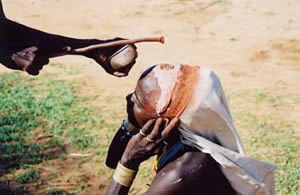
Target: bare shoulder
point(193, 172)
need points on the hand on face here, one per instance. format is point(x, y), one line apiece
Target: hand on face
point(147, 142)
point(28, 60)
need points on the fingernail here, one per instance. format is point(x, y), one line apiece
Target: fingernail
point(166, 121)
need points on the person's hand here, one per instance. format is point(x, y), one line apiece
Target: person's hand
point(28, 60)
point(116, 60)
point(147, 142)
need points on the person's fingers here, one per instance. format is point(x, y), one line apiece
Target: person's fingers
point(120, 74)
point(37, 65)
point(146, 128)
point(22, 59)
point(33, 72)
point(31, 49)
point(66, 49)
point(29, 55)
point(172, 124)
point(155, 133)
point(25, 57)
point(166, 120)
point(126, 69)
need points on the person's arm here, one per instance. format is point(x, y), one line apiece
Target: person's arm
point(2, 15)
point(140, 148)
point(25, 48)
point(193, 172)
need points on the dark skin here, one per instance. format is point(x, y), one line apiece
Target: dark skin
point(140, 149)
point(193, 172)
point(28, 49)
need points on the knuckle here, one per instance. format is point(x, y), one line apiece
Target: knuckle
point(154, 135)
point(149, 147)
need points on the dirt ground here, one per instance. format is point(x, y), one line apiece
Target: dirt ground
point(251, 44)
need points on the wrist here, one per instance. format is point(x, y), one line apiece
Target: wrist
point(130, 164)
point(124, 176)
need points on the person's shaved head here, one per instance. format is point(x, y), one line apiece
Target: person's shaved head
point(163, 91)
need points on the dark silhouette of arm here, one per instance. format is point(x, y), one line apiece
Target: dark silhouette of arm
point(25, 48)
point(2, 15)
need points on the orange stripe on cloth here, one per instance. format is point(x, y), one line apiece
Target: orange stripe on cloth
point(182, 92)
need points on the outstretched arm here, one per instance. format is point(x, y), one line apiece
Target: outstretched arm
point(2, 15)
point(28, 49)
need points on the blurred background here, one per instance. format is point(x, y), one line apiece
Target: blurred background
point(73, 106)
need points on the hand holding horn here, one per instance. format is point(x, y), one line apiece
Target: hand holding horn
point(120, 42)
point(122, 60)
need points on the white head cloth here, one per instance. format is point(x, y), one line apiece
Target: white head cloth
point(206, 119)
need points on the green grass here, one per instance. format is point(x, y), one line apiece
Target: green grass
point(269, 139)
point(28, 176)
point(56, 192)
point(32, 108)
point(48, 104)
point(23, 190)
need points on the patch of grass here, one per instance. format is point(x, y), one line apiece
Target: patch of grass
point(23, 190)
point(269, 139)
point(28, 176)
point(278, 144)
point(52, 191)
point(26, 104)
point(33, 108)
point(57, 64)
point(266, 97)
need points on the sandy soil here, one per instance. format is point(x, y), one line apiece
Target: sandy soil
point(251, 44)
point(245, 42)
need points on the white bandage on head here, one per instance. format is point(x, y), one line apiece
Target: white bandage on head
point(195, 95)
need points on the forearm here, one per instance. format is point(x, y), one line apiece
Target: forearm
point(2, 15)
point(23, 36)
point(116, 188)
point(4, 58)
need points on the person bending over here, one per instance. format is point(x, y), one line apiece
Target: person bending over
point(179, 113)
point(28, 49)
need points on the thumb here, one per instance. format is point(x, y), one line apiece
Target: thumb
point(31, 49)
